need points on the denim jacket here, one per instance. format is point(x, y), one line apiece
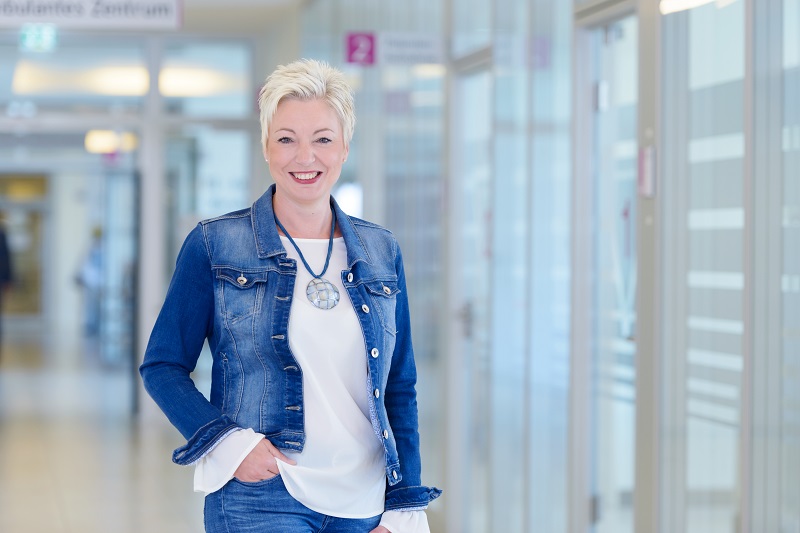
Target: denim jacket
point(233, 285)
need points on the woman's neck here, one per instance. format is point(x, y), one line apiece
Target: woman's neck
point(304, 222)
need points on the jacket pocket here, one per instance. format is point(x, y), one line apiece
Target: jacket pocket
point(383, 295)
point(240, 291)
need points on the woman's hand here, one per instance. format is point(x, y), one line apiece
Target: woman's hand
point(261, 463)
point(380, 529)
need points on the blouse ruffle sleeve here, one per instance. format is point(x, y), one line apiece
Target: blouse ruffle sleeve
point(405, 521)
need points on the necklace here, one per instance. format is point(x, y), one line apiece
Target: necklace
point(320, 292)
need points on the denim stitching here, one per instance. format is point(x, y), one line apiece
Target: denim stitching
point(263, 366)
point(238, 403)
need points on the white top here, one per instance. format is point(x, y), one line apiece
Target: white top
point(340, 471)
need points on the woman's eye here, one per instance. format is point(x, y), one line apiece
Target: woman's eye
point(324, 140)
point(284, 140)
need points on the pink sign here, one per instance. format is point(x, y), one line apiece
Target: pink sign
point(361, 48)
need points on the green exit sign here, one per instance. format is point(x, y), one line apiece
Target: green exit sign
point(38, 38)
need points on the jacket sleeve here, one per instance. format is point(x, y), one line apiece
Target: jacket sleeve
point(401, 409)
point(185, 321)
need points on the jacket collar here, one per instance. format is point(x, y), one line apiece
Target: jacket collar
point(268, 241)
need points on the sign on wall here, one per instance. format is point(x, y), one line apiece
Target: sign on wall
point(100, 14)
point(393, 48)
point(360, 48)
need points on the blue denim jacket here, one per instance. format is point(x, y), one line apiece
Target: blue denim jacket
point(233, 285)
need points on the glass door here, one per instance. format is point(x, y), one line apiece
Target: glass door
point(613, 263)
point(705, 317)
point(69, 209)
point(470, 294)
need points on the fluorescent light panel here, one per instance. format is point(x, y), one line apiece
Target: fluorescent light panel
point(31, 78)
point(109, 142)
point(674, 6)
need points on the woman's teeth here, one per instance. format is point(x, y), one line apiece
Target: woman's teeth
point(305, 175)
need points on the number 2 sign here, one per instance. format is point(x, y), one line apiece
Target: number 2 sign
point(361, 48)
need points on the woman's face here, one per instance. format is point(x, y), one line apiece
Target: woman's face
point(305, 150)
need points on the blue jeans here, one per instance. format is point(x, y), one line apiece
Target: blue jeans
point(267, 507)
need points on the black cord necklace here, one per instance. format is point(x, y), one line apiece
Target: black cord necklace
point(320, 292)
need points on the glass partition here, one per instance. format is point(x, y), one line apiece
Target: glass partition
point(615, 49)
point(472, 26)
point(790, 441)
point(510, 196)
point(704, 221)
point(474, 297)
point(549, 258)
point(208, 175)
point(208, 79)
point(714, 276)
point(75, 76)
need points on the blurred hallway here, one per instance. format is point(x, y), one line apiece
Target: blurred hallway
point(73, 459)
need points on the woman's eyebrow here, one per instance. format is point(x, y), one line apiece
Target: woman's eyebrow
point(290, 130)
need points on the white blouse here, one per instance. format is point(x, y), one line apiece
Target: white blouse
point(340, 471)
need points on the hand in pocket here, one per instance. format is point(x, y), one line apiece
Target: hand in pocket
point(261, 463)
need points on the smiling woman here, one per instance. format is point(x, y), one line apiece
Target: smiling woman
point(290, 436)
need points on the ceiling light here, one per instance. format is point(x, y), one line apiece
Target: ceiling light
point(31, 77)
point(674, 6)
point(109, 142)
point(187, 81)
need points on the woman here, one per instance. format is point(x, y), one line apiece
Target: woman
point(312, 418)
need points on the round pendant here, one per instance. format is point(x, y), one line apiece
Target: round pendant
point(322, 293)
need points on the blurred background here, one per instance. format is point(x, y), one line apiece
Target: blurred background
point(598, 204)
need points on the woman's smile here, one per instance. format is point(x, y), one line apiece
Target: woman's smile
point(305, 176)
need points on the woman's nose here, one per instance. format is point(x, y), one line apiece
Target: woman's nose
point(305, 154)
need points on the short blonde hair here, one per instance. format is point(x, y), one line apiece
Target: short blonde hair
point(307, 79)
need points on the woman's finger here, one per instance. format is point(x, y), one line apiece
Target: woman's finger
point(277, 453)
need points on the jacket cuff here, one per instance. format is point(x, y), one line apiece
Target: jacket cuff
point(410, 498)
point(204, 440)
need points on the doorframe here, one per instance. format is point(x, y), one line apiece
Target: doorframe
point(579, 490)
point(648, 473)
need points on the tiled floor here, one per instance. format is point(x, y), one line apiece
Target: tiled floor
point(73, 459)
